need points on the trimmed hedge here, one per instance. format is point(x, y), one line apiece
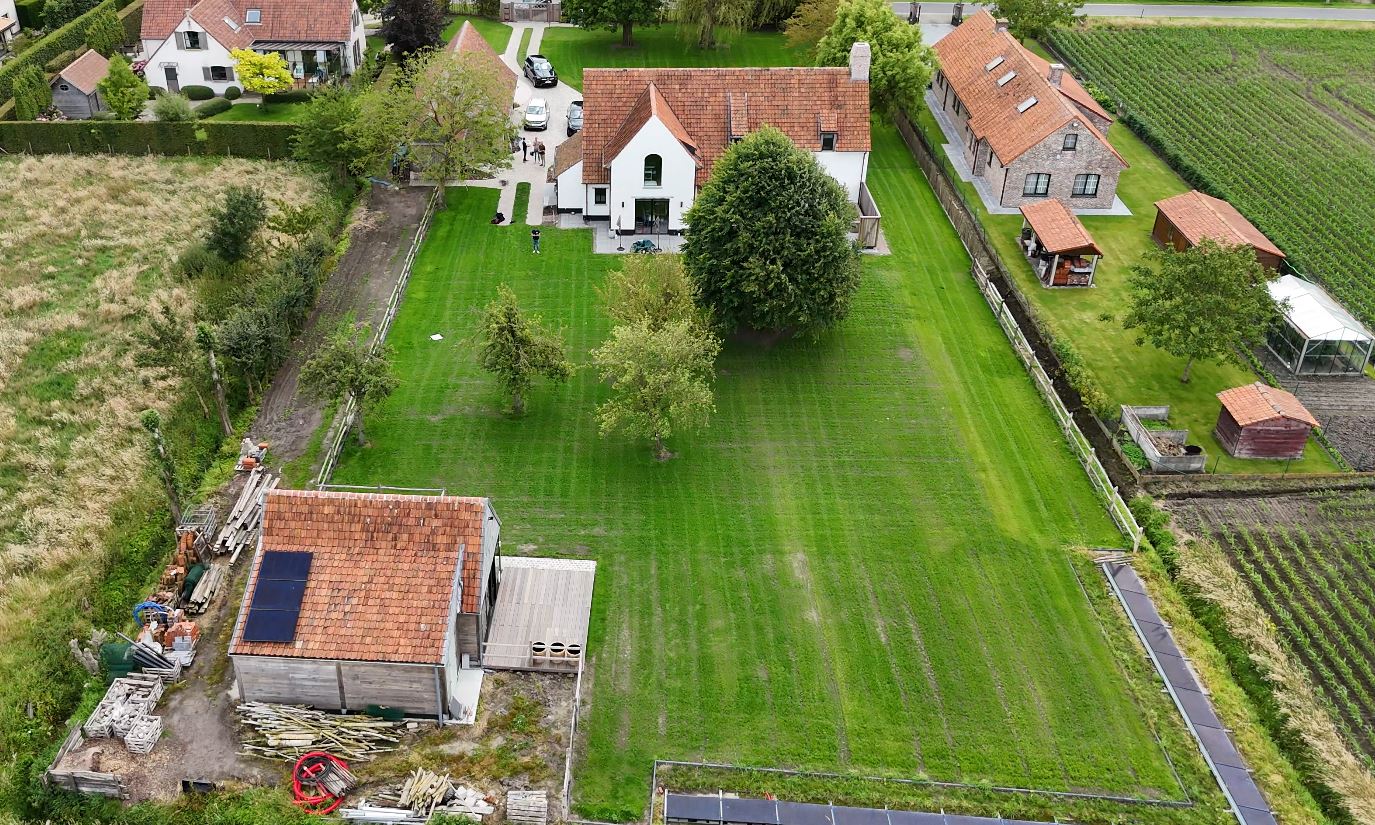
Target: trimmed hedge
point(243, 140)
point(30, 13)
point(195, 92)
point(65, 39)
point(213, 107)
point(232, 93)
point(293, 96)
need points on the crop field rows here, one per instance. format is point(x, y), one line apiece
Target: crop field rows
point(1280, 122)
point(862, 565)
point(1312, 567)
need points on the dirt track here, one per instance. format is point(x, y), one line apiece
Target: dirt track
point(360, 285)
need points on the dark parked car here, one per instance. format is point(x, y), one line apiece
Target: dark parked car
point(574, 117)
point(540, 71)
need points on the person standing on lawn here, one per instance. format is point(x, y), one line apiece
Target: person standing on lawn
point(534, 240)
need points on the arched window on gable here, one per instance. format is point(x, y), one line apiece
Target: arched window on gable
point(654, 170)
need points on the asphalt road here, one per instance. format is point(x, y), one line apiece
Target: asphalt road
point(940, 12)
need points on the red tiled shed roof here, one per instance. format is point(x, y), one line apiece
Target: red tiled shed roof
point(1198, 216)
point(470, 41)
point(1259, 402)
point(965, 56)
point(314, 21)
point(1058, 228)
point(382, 574)
point(86, 71)
point(705, 107)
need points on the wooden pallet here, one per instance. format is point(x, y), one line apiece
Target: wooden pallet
point(527, 806)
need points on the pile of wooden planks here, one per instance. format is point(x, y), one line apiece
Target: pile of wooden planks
point(527, 806)
point(424, 794)
point(205, 590)
point(241, 525)
point(285, 732)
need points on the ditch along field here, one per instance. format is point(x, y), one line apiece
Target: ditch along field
point(1278, 121)
point(1309, 561)
point(865, 564)
point(85, 251)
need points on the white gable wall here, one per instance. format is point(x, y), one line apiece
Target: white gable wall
point(571, 193)
point(847, 167)
point(677, 184)
point(189, 63)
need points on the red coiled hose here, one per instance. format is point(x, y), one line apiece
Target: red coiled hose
point(309, 766)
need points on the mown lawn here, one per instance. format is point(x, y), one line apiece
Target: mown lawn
point(496, 33)
point(274, 113)
point(1091, 319)
point(862, 565)
point(571, 50)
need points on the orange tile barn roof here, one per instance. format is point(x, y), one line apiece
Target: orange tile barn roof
point(704, 108)
point(964, 56)
point(382, 574)
point(566, 154)
point(86, 71)
point(1198, 216)
point(1057, 227)
point(315, 21)
point(1259, 402)
point(470, 41)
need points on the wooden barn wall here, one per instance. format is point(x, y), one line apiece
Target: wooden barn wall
point(409, 687)
point(466, 625)
point(1273, 439)
point(288, 681)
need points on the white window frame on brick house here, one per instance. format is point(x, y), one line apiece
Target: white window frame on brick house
point(1041, 191)
point(1082, 188)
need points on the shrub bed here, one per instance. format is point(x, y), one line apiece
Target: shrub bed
point(195, 92)
point(245, 140)
point(213, 107)
point(293, 96)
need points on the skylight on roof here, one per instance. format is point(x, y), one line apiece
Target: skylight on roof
point(1002, 81)
point(253, 16)
point(993, 64)
point(1026, 104)
point(231, 24)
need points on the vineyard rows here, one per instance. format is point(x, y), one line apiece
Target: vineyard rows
point(1280, 122)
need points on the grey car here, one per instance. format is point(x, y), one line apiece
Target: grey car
point(574, 117)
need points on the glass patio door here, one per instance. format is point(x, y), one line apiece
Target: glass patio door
point(651, 216)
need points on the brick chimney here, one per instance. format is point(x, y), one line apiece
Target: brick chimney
point(1000, 24)
point(860, 58)
point(1057, 70)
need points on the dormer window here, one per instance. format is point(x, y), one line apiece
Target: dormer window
point(253, 16)
point(828, 141)
point(1005, 79)
point(1026, 104)
point(993, 64)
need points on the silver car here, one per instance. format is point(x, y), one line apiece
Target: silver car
point(536, 115)
point(574, 117)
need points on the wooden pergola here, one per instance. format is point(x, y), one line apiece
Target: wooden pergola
point(1060, 249)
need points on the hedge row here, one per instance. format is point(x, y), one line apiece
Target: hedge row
point(65, 39)
point(94, 137)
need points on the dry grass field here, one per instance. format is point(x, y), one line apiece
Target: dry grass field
point(86, 250)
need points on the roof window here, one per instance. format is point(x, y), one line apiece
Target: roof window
point(1002, 81)
point(253, 16)
point(1026, 104)
point(993, 64)
point(231, 24)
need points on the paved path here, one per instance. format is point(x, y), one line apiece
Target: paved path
point(940, 12)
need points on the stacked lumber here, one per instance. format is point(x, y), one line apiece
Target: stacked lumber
point(206, 589)
point(246, 516)
point(285, 732)
point(527, 806)
point(421, 796)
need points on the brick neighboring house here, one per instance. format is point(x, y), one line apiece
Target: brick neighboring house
point(1029, 128)
point(358, 599)
point(651, 136)
point(188, 43)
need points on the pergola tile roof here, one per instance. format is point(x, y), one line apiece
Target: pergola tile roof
point(382, 574)
point(1259, 402)
point(1058, 228)
point(1198, 216)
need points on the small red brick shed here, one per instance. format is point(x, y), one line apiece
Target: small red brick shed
point(1185, 220)
point(1261, 421)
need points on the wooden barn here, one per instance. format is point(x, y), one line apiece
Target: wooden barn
point(1185, 220)
point(358, 599)
point(75, 91)
point(1261, 421)
point(1060, 249)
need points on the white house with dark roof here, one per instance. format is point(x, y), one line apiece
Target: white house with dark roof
point(190, 44)
point(650, 136)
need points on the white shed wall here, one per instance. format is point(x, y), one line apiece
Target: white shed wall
point(848, 168)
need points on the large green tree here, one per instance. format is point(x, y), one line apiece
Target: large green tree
point(235, 223)
point(344, 365)
point(1210, 302)
point(517, 349)
point(123, 91)
point(901, 67)
point(409, 26)
point(613, 14)
point(702, 18)
point(323, 132)
point(661, 380)
point(1036, 18)
point(768, 242)
point(651, 287)
point(809, 23)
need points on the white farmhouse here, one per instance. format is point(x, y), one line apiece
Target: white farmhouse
point(650, 136)
point(189, 45)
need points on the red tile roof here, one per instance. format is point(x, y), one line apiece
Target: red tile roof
point(382, 574)
point(566, 154)
point(1058, 228)
point(315, 21)
point(86, 71)
point(706, 107)
point(1198, 216)
point(964, 56)
point(470, 41)
point(1259, 402)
